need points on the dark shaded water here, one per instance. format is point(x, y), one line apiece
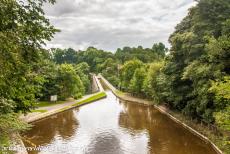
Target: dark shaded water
point(111, 126)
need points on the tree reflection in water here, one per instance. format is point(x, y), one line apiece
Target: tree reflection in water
point(105, 143)
point(111, 126)
point(165, 136)
point(62, 125)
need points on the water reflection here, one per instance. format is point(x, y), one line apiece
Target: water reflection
point(165, 136)
point(62, 126)
point(105, 143)
point(111, 126)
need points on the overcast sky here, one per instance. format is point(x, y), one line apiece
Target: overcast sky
point(112, 24)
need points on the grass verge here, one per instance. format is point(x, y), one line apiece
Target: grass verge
point(91, 99)
point(41, 111)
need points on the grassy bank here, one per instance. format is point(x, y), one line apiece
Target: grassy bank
point(40, 111)
point(45, 113)
point(91, 99)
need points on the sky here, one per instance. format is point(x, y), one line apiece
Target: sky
point(112, 24)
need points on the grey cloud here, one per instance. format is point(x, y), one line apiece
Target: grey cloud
point(109, 24)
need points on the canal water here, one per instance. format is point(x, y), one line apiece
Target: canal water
point(112, 126)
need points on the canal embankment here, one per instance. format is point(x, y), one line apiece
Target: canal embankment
point(162, 109)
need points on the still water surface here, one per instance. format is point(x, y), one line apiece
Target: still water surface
point(112, 126)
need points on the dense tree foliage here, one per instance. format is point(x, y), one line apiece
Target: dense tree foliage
point(69, 83)
point(64, 80)
point(222, 97)
point(127, 73)
point(136, 83)
point(27, 72)
point(194, 77)
point(110, 69)
point(83, 71)
point(107, 63)
point(199, 54)
point(23, 31)
point(157, 52)
point(64, 56)
point(151, 84)
point(92, 56)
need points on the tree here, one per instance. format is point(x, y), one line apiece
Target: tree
point(127, 72)
point(49, 71)
point(69, 83)
point(150, 85)
point(93, 57)
point(23, 31)
point(143, 54)
point(82, 70)
point(222, 102)
point(200, 52)
point(64, 56)
point(160, 49)
point(136, 83)
point(109, 70)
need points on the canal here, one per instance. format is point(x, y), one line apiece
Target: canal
point(112, 126)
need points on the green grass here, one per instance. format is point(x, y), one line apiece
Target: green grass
point(47, 103)
point(91, 99)
point(41, 111)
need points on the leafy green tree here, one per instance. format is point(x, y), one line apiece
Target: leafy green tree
point(93, 57)
point(127, 72)
point(150, 85)
point(58, 77)
point(199, 52)
point(160, 49)
point(110, 71)
point(222, 91)
point(222, 101)
point(61, 56)
point(69, 83)
point(23, 31)
point(136, 83)
point(83, 67)
point(82, 70)
point(143, 54)
point(49, 71)
point(58, 55)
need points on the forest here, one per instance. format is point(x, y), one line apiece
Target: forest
point(192, 76)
